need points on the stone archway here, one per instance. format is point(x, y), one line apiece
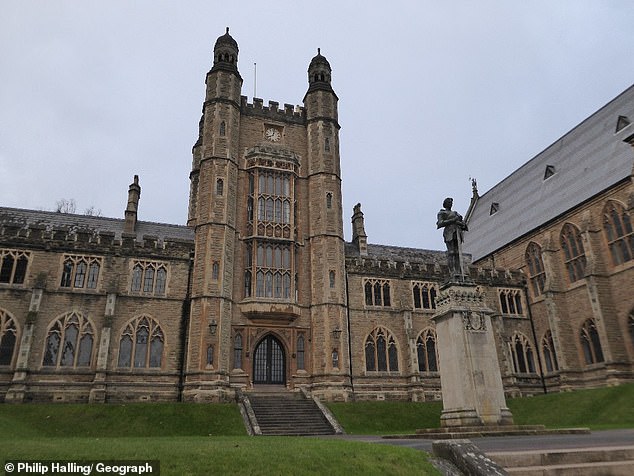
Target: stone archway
point(269, 362)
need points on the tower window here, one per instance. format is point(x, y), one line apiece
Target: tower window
point(329, 200)
point(495, 206)
point(220, 187)
point(223, 128)
point(271, 267)
point(332, 279)
point(327, 144)
point(550, 171)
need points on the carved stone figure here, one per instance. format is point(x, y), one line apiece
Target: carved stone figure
point(453, 234)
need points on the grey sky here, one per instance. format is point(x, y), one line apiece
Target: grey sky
point(431, 93)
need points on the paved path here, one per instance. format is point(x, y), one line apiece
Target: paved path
point(595, 439)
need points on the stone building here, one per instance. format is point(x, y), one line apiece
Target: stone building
point(261, 289)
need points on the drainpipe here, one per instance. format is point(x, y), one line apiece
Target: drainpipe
point(349, 340)
point(184, 327)
point(530, 318)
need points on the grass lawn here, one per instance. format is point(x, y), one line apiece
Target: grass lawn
point(188, 439)
point(598, 409)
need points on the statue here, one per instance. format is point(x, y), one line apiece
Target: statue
point(453, 234)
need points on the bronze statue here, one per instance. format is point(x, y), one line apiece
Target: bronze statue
point(453, 234)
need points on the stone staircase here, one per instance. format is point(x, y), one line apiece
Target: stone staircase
point(607, 461)
point(287, 414)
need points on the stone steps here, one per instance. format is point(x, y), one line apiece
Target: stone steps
point(607, 461)
point(288, 414)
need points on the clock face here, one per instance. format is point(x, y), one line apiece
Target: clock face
point(273, 134)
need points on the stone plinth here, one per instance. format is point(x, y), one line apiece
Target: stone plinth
point(472, 391)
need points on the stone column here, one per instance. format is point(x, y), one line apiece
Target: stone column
point(472, 391)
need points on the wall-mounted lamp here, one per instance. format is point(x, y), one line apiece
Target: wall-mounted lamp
point(336, 333)
point(213, 327)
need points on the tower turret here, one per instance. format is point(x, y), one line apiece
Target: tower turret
point(212, 214)
point(325, 233)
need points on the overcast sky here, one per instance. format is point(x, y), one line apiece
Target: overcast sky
point(430, 94)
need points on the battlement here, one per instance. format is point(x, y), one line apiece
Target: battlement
point(74, 233)
point(290, 113)
point(432, 271)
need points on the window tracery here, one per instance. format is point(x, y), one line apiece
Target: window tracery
point(80, 272)
point(618, 230)
point(149, 277)
point(271, 264)
point(511, 301)
point(377, 292)
point(537, 275)
point(548, 350)
point(381, 352)
point(522, 354)
point(424, 294)
point(590, 342)
point(141, 344)
point(13, 266)
point(8, 337)
point(426, 351)
point(574, 253)
point(69, 342)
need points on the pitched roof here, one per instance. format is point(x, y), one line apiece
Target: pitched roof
point(71, 222)
point(584, 162)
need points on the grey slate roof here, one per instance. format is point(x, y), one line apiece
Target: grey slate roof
point(587, 160)
point(71, 222)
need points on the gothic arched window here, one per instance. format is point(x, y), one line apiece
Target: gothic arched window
point(590, 342)
point(300, 353)
point(141, 344)
point(69, 342)
point(210, 355)
point(618, 231)
point(522, 354)
point(426, 350)
point(548, 350)
point(574, 254)
point(537, 275)
point(8, 337)
point(237, 351)
point(220, 187)
point(381, 352)
point(223, 129)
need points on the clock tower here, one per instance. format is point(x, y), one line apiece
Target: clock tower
point(268, 281)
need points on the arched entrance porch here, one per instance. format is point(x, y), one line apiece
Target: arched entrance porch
point(269, 362)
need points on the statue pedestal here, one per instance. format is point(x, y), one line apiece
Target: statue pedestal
point(472, 392)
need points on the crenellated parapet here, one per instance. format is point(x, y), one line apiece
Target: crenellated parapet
point(57, 232)
point(428, 265)
point(290, 113)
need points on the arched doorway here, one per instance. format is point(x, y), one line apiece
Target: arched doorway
point(269, 363)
